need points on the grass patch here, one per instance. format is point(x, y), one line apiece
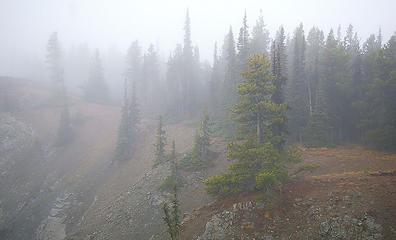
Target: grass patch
point(307, 168)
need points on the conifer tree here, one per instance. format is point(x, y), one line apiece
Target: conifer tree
point(150, 85)
point(243, 44)
point(315, 43)
point(204, 138)
point(259, 165)
point(96, 89)
point(175, 83)
point(134, 67)
point(54, 62)
point(127, 131)
point(172, 217)
point(278, 64)
point(214, 84)
point(260, 37)
point(54, 58)
point(160, 144)
point(230, 76)
point(133, 115)
point(189, 101)
point(298, 91)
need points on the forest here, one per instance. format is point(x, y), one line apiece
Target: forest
point(145, 145)
point(337, 88)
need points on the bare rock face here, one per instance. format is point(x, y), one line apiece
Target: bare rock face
point(219, 226)
point(350, 228)
point(136, 213)
point(14, 137)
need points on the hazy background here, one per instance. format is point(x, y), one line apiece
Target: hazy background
point(112, 25)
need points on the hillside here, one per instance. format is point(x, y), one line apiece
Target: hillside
point(74, 192)
point(351, 195)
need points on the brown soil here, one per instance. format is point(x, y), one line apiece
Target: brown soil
point(344, 181)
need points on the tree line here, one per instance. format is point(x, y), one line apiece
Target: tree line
point(337, 88)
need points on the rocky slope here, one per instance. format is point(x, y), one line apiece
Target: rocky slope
point(326, 204)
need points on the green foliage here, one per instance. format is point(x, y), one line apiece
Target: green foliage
point(174, 179)
point(260, 158)
point(172, 217)
point(270, 199)
point(198, 158)
point(307, 168)
point(160, 144)
point(127, 130)
point(316, 133)
point(259, 167)
point(378, 107)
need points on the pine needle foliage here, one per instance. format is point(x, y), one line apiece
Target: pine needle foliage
point(260, 159)
point(160, 143)
point(172, 216)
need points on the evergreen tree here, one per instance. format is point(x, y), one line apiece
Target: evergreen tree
point(379, 121)
point(150, 86)
point(204, 138)
point(298, 94)
point(334, 79)
point(315, 43)
point(214, 84)
point(260, 37)
point(175, 83)
point(133, 116)
point(231, 75)
point(189, 101)
point(243, 44)
point(127, 130)
point(54, 62)
point(96, 89)
point(172, 217)
point(160, 144)
point(198, 157)
point(259, 165)
point(134, 67)
point(278, 63)
point(54, 57)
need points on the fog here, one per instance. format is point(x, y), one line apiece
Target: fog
point(199, 119)
point(111, 26)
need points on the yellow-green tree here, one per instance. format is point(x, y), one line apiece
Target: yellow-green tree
point(259, 165)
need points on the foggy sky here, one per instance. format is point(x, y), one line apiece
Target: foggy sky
point(113, 24)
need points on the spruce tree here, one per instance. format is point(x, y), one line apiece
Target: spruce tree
point(175, 83)
point(96, 89)
point(160, 143)
point(298, 91)
point(278, 65)
point(188, 99)
point(231, 75)
point(54, 62)
point(134, 67)
point(172, 217)
point(259, 165)
point(214, 84)
point(150, 85)
point(260, 41)
point(243, 44)
point(127, 130)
